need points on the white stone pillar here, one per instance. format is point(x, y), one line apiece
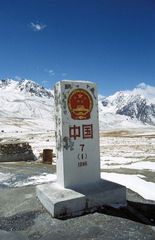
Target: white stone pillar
point(77, 133)
point(78, 189)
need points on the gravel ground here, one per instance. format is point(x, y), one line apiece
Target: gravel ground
point(22, 216)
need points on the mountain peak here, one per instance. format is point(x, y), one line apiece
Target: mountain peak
point(34, 88)
point(138, 103)
point(27, 99)
point(147, 91)
point(26, 86)
point(5, 82)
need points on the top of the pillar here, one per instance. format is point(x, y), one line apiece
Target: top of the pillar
point(77, 81)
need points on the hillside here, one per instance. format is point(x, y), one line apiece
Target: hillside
point(137, 104)
point(25, 105)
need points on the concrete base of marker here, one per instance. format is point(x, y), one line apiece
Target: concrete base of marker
point(63, 203)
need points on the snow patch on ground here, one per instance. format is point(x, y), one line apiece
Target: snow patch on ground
point(150, 166)
point(141, 166)
point(10, 180)
point(5, 176)
point(34, 180)
point(133, 182)
point(118, 155)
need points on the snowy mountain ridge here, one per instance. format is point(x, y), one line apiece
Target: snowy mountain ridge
point(25, 86)
point(25, 99)
point(137, 104)
point(27, 104)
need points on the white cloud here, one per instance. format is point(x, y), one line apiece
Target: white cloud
point(64, 74)
point(142, 85)
point(146, 90)
point(51, 72)
point(37, 27)
point(18, 78)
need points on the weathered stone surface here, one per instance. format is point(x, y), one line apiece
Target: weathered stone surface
point(18, 151)
point(77, 133)
point(61, 202)
point(79, 188)
point(12, 236)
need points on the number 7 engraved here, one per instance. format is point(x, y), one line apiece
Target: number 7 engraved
point(82, 147)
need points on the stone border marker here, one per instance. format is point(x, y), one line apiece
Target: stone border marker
point(79, 188)
point(77, 133)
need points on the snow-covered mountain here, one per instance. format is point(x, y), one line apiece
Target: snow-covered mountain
point(25, 86)
point(25, 99)
point(138, 104)
point(25, 105)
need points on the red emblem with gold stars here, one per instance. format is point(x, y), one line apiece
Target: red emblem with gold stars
point(80, 104)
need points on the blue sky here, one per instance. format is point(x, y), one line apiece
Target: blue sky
point(110, 42)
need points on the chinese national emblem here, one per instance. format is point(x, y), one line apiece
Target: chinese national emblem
point(80, 104)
